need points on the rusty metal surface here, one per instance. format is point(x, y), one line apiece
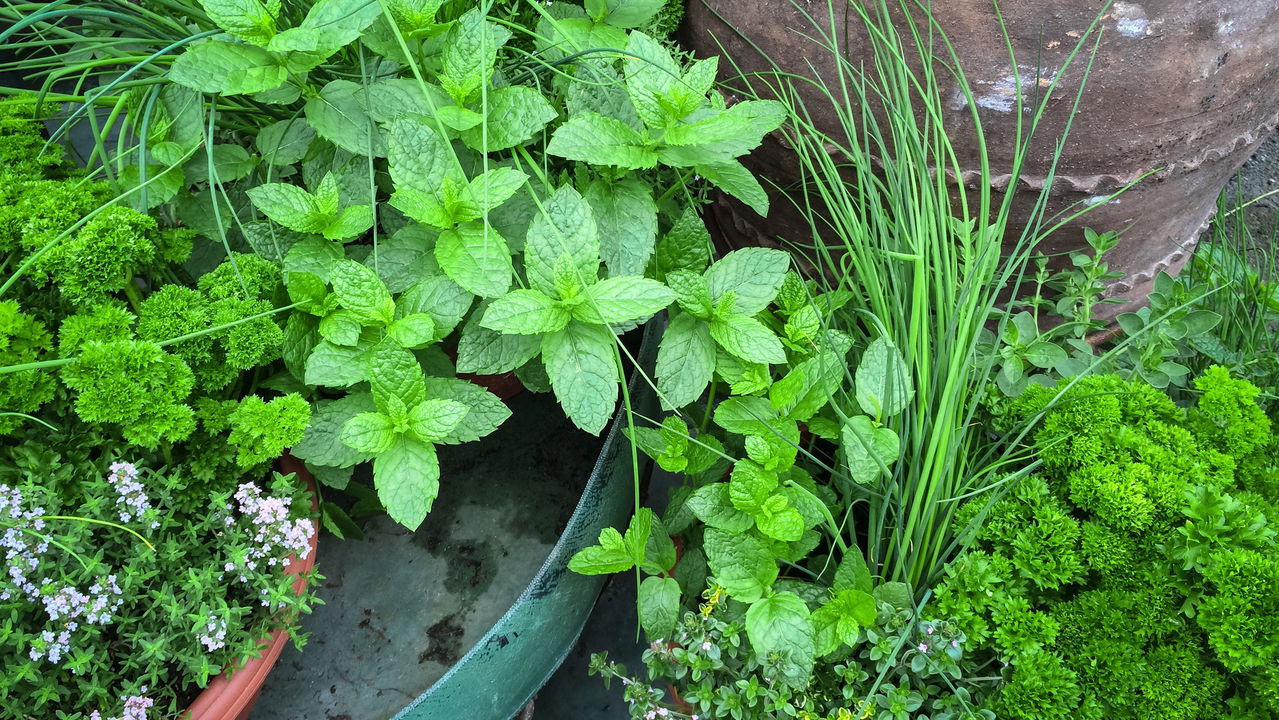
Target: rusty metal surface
point(1184, 90)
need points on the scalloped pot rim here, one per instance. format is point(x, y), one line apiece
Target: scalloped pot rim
point(231, 696)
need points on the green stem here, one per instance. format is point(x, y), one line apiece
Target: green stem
point(630, 424)
point(133, 294)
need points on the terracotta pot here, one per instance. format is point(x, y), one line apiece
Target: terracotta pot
point(1187, 89)
point(231, 697)
point(504, 386)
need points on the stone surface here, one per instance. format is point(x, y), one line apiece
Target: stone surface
point(1179, 93)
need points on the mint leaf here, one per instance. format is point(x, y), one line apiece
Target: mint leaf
point(604, 94)
point(475, 257)
point(659, 549)
point(300, 338)
point(658, 606)
point(458, 118)
point(617, 300)
point(692, 293)
point(369, 433)
point(711, 505)
point(361, 291)
point(685, 361)
point(290, 206)
point(487, 352)
point(650, 73)
point(749, 486)
point(334, 366)
point(440, 299)
point(284, 142)
point(807, 504)
point(525, 312)
point(270, 240)
point(230, 162)
point(883, 380)
point(413, 331)
point(227, 68)
point(350, 223)
point(778, 520)
point(414, 14)
point(341, 327)
point(494, 188)
point(470, 52)
point(407, 479)
point(579, 360)
point(250, 20)
point(516, 114)
point(418, 157)
point(321, 443)
point(741, 563)
point(754, 275)
point(395, 98)
point(733, 178)
point(852, 573)
point(778, 627)
point(423, 207)
point(809, 385)
point(627, 13)
point(406, 257)
point(309, 289)
point(485, 411)
point(436, 419)
point(840, 620)
point(575, 32)
point(897, 594)
point(599, 140)
point(748, 339)
point(328, 26)
point(626, 217)
point(566, 230)
point(686, 247)
point(866, 447)
point(723, 137)
point(638, 532)
point(700, 77)
point(339, 115)
point(609, 556)
point(747, 416)
point(312, 255)
point(327, 198)
point(395, 372)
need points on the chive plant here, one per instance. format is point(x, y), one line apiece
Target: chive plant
point(928, 264)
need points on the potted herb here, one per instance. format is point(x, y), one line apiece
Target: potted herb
point(148, 548)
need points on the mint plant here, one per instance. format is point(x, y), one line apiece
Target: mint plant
point(477, 188)
point(569, 313)
point(716, 313)
point(746, 520)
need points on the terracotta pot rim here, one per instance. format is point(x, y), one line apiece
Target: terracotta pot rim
point(231, 695)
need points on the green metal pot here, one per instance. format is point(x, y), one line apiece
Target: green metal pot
point(523, 649)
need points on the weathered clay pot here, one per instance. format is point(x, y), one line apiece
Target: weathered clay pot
point(1185, 88)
